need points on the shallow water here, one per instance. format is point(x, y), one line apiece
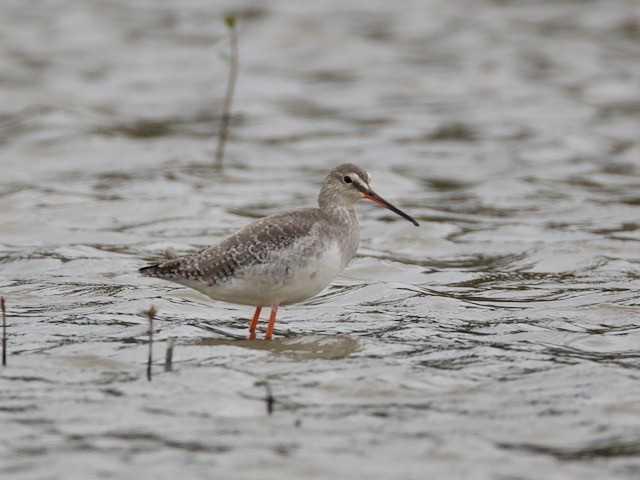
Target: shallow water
point(498, 340)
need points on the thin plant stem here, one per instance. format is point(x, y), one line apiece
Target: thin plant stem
point(230, 20)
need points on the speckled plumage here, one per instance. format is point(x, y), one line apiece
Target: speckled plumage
point(283, 258)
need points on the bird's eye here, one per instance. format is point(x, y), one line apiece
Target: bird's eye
point(347, 179)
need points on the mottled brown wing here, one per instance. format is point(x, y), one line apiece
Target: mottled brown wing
point(250, 246)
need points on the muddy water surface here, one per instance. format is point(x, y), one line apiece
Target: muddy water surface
point(498, 340)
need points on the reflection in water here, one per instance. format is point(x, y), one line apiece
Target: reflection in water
point(299, 348)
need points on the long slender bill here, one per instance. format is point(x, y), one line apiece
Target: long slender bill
point(371, 195)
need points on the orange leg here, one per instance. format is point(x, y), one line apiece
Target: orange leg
point(254, 323)
point(272, 321)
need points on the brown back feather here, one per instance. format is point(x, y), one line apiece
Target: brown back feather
point(247, 247)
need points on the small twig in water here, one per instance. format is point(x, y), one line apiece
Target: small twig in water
point(269, 398)
point(230, 20)
point(168, 358)
point(4, 333)
point(151, 313)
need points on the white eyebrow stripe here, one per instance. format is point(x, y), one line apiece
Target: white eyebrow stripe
point(356, 179)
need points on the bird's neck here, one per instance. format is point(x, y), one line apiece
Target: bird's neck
point(341, 213)
point(344, 219)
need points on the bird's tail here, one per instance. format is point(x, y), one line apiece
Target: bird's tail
point(150, 270)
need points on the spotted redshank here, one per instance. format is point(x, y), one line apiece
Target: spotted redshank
point(283, 258)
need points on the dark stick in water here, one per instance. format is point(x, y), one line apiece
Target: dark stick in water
point(168, 358)
point(151, 313)
point(4, 334)
point(269, 398)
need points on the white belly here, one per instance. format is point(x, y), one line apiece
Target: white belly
point(289, 278)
